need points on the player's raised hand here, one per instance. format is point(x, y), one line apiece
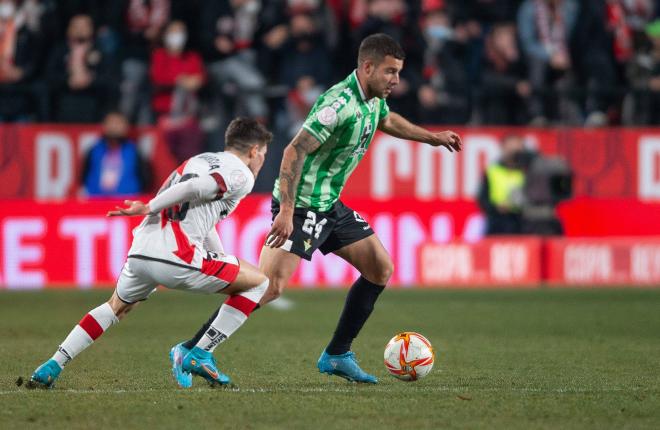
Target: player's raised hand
point(448, 139)
point(133, 208)
point(280, 231)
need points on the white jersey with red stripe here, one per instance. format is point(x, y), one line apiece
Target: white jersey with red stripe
point(184, 232)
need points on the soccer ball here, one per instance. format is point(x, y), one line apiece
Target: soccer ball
point(409, 356)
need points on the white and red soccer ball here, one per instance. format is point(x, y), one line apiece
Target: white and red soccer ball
point(409, 356)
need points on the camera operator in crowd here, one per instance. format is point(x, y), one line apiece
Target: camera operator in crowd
point(501, 193)
point(519, 193)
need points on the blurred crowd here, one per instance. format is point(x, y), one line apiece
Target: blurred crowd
point(191, 65)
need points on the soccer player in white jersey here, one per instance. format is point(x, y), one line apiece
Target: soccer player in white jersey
point(177, 246)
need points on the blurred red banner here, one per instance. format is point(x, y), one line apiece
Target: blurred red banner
point(608, 163)
point(42, 161)
point(72, 244)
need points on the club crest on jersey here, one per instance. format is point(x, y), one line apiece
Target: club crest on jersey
point(327, 115)
point(237, 178)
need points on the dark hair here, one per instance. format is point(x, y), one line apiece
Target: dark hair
point(377, 46)
point(243, 133)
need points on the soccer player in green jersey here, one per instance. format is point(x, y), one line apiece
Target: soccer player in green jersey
point(307, 212)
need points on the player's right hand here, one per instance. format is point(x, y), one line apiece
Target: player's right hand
point(133, 207)
point(448, 139)
point(280, 230)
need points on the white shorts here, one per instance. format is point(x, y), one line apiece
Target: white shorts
point(141, 275)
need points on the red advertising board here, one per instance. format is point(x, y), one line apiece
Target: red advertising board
point(612, 261)
point(510, 261)
point(73, 244)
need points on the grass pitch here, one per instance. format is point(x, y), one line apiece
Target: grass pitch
point(506, 359)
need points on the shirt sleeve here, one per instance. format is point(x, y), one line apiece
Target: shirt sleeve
point(324, 118)
point(384, 109)
point(234, 183)
point(203, 187)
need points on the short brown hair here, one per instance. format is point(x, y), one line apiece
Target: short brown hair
point(243, 133)
point(377, 46)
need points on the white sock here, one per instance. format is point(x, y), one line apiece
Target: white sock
point(233, 313)
point(90, 327)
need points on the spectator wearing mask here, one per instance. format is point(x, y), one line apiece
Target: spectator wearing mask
point(545, 28)
point(80, 75)
point(177, 74)
point(444, 95)
point(501, 192)
point(305, 69)
point(114, 166)
point(20, 51)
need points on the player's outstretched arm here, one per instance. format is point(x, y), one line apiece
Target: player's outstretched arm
point(204, 187)
point(290, 169)
point(397, 126)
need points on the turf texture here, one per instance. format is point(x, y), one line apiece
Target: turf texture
point(505, 359)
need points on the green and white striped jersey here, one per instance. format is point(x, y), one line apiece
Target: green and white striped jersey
point(344, 122)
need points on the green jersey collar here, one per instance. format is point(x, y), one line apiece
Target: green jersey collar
point(356, 83)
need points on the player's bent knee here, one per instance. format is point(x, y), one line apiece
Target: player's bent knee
point(119, 307)
point(256, 293)
point(383, 271)
point(275, 290)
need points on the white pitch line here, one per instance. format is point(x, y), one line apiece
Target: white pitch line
point(461, 390)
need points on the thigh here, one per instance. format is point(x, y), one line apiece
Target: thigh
point(217, 273)
point(248, 277)
point(366, 253)
point(310, 230)
point(135, 282)
point(370, 258)
point(277, 264)
point(349, 228)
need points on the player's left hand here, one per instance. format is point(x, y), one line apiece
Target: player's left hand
point(448, 139)
point(133, 208)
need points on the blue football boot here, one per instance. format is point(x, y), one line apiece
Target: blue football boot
point(202, 363)
point(45, 375)
point(183, 378)
point(344, 365)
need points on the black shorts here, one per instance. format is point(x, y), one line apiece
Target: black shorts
point(326, 231)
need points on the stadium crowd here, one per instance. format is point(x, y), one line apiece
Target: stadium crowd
point(191, 65)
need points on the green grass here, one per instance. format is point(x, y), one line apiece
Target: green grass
point(506, 359)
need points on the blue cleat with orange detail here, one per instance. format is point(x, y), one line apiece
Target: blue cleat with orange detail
point(45, 375)
point(345, 366)
point(202, 363)
point(183, 378)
